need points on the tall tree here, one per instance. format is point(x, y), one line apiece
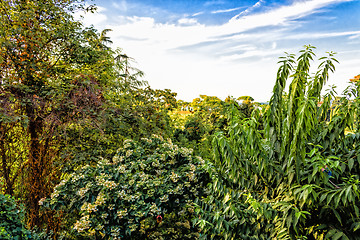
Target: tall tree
point(45, 54)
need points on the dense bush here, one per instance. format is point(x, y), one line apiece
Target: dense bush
point(145, 191)
point(11, 220)
point(294, 175)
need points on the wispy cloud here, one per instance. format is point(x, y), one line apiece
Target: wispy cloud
point(227, 10)
point(350, 34)
point(188, 32)
point(356, 36)
point(122, 5)
point(248, 10)
point(281, 15)
point(197, 14)
point(256, 53)
point(188, 44)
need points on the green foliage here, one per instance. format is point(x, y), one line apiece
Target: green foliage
point(12, 220)
point(52, 73)
point(66, 98)
point(246, 105)
point(294, 175)
point(138, 113)
point(196, 122)
point(146, 191)
point(193, 130)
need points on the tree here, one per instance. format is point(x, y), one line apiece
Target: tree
point(127, 113)
point(246, 105)
point(296, 174)
point(204, 116)
point(44, 55)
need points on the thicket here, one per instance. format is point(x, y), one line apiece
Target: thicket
point(146, 191)
point(294, 175)
point(66, 99)
point(12, 220)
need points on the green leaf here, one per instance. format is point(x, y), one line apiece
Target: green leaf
point(337, 215)
point(351, 163)
point(338, 198)
point(344, 237)
point(356, 226)
point(323, 196)
point(329, 197)
point(348, 195)
point(356, 210)
point(330, 233)
point(337, 235)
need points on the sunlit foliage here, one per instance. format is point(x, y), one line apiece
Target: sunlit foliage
point(145, 192)
point(296, 176)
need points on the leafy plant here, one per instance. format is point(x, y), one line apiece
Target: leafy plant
point(12, 220)
point(292, 175)
point(46, 59)
point(145, 191)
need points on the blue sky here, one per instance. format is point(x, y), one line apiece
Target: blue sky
point(223, 47)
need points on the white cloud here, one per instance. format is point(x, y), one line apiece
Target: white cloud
point(260, 54)
point(197, 14)
point(346, 70)
point(351, 34)
point(248, 10)
point(282, 14)
point(192, 58)
point(96, 19)
point(188, 21)
point(273, 46)
point(194, 33)
point(355, 36)
point(227, 10)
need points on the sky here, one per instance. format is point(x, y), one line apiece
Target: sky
point(228, 48)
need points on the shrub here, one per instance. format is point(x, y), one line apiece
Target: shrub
point(11, 220)
point(146, 191)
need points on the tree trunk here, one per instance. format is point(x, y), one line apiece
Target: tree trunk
point(36, 167)
point(9, 189)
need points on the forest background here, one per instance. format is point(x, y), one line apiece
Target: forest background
point(89, 151)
